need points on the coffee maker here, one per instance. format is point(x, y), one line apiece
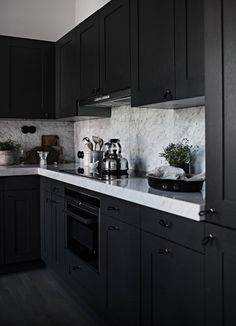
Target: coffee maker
point(114, 164)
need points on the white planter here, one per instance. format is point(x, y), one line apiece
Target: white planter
point(7, 157)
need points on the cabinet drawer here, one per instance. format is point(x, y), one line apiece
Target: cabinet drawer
point(174, 228)
point(121, 210)
point(21, 182)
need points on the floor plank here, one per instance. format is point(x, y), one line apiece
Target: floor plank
point(35, 298)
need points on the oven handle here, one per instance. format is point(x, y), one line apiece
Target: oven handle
point(80, 218)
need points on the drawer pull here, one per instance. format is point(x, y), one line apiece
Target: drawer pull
point(112, 208)
point(165, 224)
point(208, 239)
point(164, 252)
point(209, 211)
point(113, 228)
point(76, 268)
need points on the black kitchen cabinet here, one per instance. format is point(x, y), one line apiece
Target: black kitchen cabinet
point(21, 221)
point(27, 78)
point(88, 56)
point(104, 51)
point(189, 48)
point(220, 43)
point(172, 283)
point(167, 50)
point(115, 46)
point(66, 76)
point(52, 226)
point(120, 266)
point(220, 276)
point(1, 227)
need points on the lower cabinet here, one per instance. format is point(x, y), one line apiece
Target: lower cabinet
point(220, 276)
point(21, 220)
point(172, 284)
point(120, 266)
point(1, 228)
point(52, 228)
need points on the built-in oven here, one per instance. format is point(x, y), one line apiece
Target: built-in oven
point(82, 225)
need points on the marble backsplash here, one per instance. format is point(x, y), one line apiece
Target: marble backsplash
point(144, 132)
point(65, 130)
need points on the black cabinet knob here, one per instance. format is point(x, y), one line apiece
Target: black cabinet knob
point(208, 239)
point(112, 208)
point(113, 228)
point(164, 251)
point(76, 268)
point(206, 212)
point(168, 95)
point(164, 223)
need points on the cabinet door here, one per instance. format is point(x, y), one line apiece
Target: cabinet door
point(66, 76)
point(88, 56)
point(220, 277)
point(153, 73)
point(189, 48)
point(58, 260)
point(22, 226)
point(5, 77)
point(1, 229)
point(46, 227)
point(172, 284)
point(28, 74)
point(120, 265)
point(115, 46)
point(220, 42)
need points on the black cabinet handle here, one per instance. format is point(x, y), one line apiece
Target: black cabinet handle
point(164, 251)
point(165, 224)
point(112, 208)
point(168, 95)
point(206, 212)
point(76, 268)
point(113, 228)
point(208, 239)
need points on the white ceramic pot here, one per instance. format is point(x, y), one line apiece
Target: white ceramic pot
point(7, 157)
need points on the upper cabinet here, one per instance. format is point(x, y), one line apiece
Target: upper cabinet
point(104, 51)
point(27, 78)
point(66, 76)
point(88, 56)
point(167, 50)
point(115, 46)
point(220, 45)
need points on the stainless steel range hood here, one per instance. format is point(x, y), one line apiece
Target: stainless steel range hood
point(118, 98)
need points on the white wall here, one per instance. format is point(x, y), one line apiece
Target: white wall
point(84, 8)
point(38, 19)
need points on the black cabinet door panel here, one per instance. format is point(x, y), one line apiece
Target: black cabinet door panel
point(22, 226)
point(88, 54)
point(115, 46)
point(27, 78)
point(1, 229)
point(221, 114)
point(153, 71)
point(189, 48)
point(220, 277)
point(120, 264)
point(172, 284)
point(66, 76)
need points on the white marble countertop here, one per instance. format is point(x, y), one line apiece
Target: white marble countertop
point(133, 189)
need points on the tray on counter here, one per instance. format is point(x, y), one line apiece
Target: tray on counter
point(174, 185)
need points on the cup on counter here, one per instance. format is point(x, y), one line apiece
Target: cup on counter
point(97, 156)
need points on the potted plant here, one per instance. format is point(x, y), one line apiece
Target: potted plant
point(7, 152)
point(178, 154)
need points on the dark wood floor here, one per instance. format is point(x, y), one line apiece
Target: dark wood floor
point(36, 298)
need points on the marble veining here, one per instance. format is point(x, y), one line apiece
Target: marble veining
point(143, 133)
point(65, 130)
point(134, 190)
